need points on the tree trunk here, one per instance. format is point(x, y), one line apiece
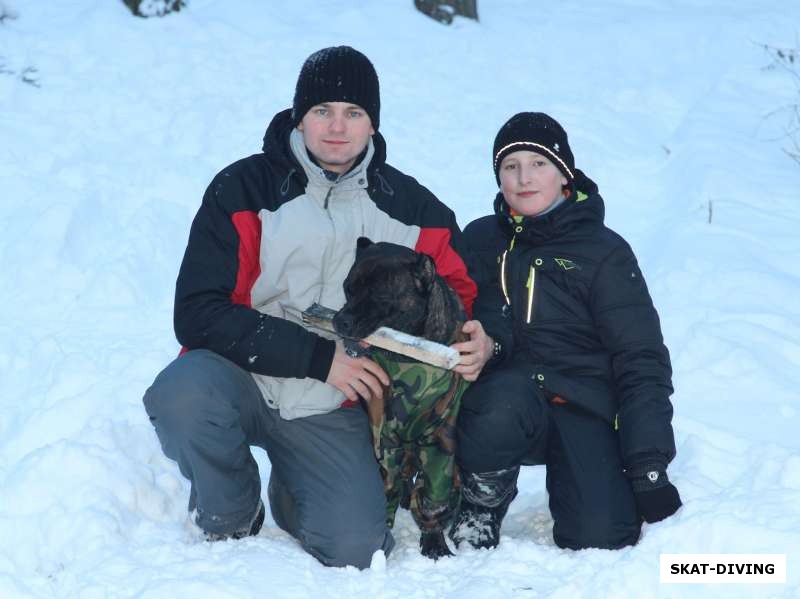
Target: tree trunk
point(444, 10)
point(153, 8)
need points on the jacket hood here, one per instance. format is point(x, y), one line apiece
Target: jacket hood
point(276, 140)
point(278, 149)
point(584, 206)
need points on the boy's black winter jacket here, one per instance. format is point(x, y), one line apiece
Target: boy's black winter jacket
point(577, 313)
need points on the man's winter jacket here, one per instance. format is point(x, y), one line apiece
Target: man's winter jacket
point(565, 296)
point(276, 233)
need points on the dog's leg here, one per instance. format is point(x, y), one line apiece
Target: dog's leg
point(391, 466)
point(437, 494)
point(398, 466)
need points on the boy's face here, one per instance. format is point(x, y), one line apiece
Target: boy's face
point(530, 182)
point(336, 133)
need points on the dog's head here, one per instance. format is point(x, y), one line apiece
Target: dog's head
point(393, 286)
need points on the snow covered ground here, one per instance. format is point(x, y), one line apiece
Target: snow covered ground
point(106, 151)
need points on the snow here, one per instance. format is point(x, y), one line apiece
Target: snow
point(669, 107)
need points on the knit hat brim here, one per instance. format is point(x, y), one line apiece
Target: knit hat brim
point(337, 74)
point(533, 147)
point(534, 132)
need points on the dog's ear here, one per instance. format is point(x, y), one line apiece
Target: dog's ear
point(362, 243)
point(439, 321)
point(425, 272)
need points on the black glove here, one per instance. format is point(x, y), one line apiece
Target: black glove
point(656, 498)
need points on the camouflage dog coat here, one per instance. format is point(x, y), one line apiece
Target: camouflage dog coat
point(414, 436)
point(414, 422)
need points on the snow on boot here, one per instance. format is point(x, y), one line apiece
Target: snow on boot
point(479, 525)
point(485, 498)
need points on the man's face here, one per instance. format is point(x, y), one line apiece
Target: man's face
point(336, 133)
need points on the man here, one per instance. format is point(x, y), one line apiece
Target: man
point(275, 233)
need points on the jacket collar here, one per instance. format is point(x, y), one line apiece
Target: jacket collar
point(585, 205)
point(355, 178)
point(277, 146)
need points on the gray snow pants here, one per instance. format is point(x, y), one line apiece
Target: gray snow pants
point(325, 487)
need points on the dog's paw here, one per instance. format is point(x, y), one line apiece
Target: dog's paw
point(433, 545)
point(355, 349)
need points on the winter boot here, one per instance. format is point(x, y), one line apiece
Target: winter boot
point(485, 498)
point(249, 531)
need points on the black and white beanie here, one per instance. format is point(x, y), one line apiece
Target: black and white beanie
point(535, 132)
point(337, 74)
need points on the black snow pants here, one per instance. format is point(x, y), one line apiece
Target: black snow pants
point(505, 422)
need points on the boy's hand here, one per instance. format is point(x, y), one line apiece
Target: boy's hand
point(475, 352)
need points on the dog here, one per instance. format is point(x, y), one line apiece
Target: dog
point(413, 424)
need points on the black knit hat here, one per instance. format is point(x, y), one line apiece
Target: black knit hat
point(535, 132)
point(337, 74)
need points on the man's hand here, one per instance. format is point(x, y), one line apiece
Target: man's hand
point(356, 377)
point(475, 352)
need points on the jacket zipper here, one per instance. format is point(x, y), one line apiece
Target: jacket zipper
point(503, 282)
point(333, 226)
point(503, 278)
point(531, 285)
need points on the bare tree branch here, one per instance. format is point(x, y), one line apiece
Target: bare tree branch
point(6, 13)
point(30, 75)
point(788, 60)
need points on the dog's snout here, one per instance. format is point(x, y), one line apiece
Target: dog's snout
point(343, 323)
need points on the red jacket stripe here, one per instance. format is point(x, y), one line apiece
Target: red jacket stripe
point(248, 227)
point(435, 241)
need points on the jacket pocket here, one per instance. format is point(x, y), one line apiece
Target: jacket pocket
point(592, 394)
point(296, 398)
